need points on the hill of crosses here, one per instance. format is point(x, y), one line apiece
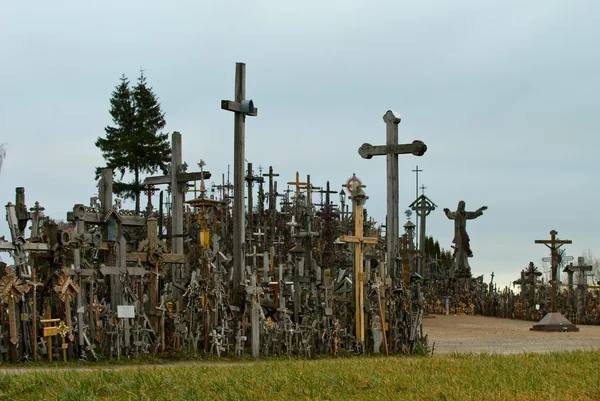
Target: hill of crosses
point(245, 267)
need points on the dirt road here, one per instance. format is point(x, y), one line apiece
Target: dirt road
point(464, 334)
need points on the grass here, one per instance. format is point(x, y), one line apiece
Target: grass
point(556, 376)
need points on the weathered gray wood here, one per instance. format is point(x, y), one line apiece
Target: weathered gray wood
point(392, 149)
point(181, 177)
point(239, 237)
point(367, 151)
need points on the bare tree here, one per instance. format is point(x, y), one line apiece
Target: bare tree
point(590, 259)
point(2, 155)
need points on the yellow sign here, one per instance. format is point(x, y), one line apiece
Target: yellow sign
point(50, 331)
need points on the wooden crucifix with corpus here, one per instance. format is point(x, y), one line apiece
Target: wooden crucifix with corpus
point(554, 321)
point(391, 150)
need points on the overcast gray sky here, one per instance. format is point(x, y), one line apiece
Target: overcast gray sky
point(504, 94)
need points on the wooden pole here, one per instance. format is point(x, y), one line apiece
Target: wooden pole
point(239, 237)
point(392, 121)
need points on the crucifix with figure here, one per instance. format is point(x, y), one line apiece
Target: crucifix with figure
point(554, 321)
point(391, 150)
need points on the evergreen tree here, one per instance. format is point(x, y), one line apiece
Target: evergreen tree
point(135, 144)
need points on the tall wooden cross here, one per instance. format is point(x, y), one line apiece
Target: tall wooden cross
point(553, 243)
point(359, 198)
point(178, 180)
point(391, 150)
point(241, 108)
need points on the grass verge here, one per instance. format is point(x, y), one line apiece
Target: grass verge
point(555, 376)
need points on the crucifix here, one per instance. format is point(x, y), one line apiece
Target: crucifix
point(358, 199)
point(391, 150)
point(241, 108)
point(554, 321)
point(553, 244)
point(298, 185)
point(11, 289)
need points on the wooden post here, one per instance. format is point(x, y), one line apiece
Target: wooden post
point(241, 108)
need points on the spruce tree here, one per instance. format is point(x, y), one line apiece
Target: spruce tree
point(135, 144)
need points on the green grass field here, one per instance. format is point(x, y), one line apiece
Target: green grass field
point(556, 376)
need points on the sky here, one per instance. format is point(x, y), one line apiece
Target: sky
point(503, 93)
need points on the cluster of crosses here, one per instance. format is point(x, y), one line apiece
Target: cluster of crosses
point(222, 273)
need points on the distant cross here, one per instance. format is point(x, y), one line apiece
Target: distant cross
point(241, 108)
point(405, 253)
point(417, 171)
point(422, 206)
point(250, 180)
point(423, 188)
point(271, 188)
point(298, 185)
point(391, 150)
point(553, 244)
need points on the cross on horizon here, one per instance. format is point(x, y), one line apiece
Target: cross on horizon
point(553, 244)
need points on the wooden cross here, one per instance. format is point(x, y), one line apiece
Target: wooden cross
point(250, 180)
point(178, 179)
point(553, 243)
point(391, 150)
point(309, 191)
point(298, 185)
point(66, 288)
point(241, 108)
point(327, 191)
point(271, 188)
point(11, 290)
point(359, 275)
point(423, 206)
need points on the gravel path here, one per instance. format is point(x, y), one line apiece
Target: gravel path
point(465, 334)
